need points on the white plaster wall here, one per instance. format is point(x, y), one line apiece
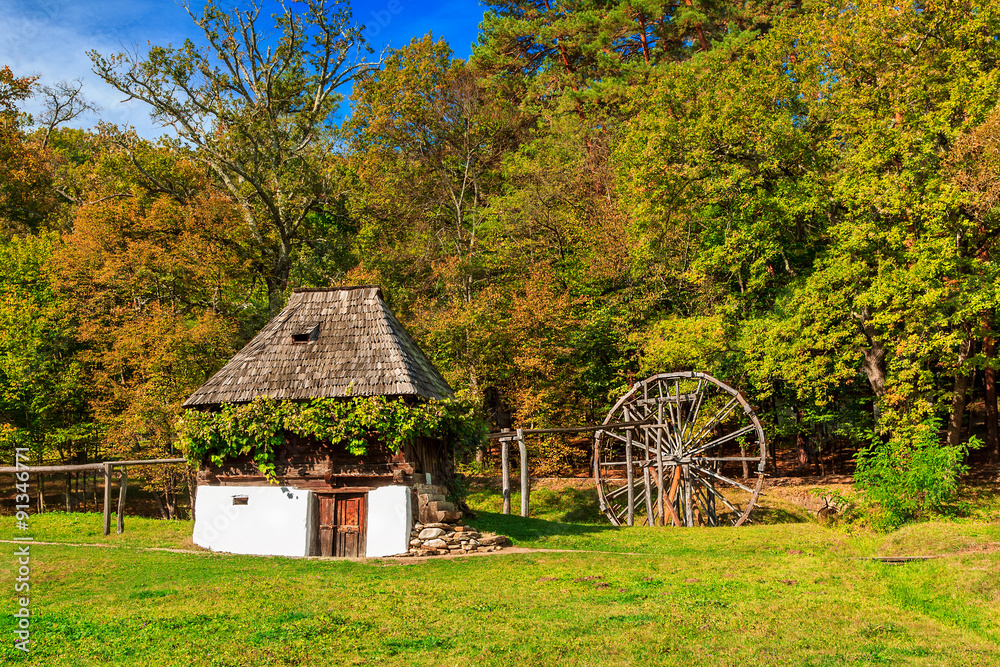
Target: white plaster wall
point(389, 521)
point(276, 521)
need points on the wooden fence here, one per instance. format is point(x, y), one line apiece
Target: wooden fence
point(107, 467)
point(506, 436)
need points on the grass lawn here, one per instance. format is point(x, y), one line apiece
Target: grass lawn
point(780, 594)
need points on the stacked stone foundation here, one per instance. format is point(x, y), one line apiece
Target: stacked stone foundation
point(438, 528)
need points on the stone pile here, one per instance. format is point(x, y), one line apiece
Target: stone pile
point(435, 539)
point(438, 528)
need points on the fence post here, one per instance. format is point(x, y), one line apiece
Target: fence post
point(122, 486)
point(107, 499)
point(525, 482)
point(629, 478)
point(505, 472)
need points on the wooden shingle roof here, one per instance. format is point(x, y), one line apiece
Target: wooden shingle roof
point(326, 343)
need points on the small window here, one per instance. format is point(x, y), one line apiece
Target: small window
point(241, 500)
point(305, 336)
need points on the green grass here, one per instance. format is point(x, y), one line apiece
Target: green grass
point(784, 594)
point(88, 528)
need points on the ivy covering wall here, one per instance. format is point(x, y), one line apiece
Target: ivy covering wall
point(259, 428)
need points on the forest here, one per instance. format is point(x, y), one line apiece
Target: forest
point(799, 198)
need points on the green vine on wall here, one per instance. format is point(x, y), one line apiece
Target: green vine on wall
point(258, 428)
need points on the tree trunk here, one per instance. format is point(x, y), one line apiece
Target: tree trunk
point(874, 361)
point(159, 505)
point(802, 442)
point(777, 421)
point(990, 387)
point(170, 496)
point(958, 400)
point(802, 445)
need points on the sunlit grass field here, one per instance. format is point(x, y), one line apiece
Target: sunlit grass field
point(793, 593)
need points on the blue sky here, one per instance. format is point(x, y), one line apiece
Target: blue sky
point(51, 38)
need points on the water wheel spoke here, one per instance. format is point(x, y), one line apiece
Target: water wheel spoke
point(725, 501)
point(695, 409)
point(723, 439)
point(618, 492)
point(717, 417)
point(700, 498)
point(614, 435)
point(721, 478)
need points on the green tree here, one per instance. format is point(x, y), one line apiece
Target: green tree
point(44, 392)
point(258, 111)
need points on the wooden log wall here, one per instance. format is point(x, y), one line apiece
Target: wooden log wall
point(306, 464)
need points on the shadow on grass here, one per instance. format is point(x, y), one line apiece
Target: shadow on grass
point(521, 529)
point(763, 514)
point(569, 505)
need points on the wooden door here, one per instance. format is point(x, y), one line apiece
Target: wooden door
point(351, 518)
point(343, 518)
point(327, 527)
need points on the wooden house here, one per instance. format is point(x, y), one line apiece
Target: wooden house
point(332, 343)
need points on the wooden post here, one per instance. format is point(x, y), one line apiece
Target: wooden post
point(688, 501)
point(41, 493)
point(122, 486)
point(505, 472)
point(672, 498)
point(713, 519)
point(630, 478)
point(525, 481)
point(659, 478)
point(107, 499)
point(647, 479)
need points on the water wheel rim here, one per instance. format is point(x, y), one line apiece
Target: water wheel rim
point(687, 444)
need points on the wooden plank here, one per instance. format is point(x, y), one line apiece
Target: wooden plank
point(659, 477)
point(688, 500)
point(326, 525)
point(673, 495)
point(647, 480)
point(506, 434)
point(669, 398)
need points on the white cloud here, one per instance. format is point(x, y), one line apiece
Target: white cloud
point(50, 39)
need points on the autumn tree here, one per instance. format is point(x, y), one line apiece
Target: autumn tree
point(258, 111)
point(158, 281)
point(26, 196)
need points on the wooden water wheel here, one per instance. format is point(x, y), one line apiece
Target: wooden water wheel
point(680, 448)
